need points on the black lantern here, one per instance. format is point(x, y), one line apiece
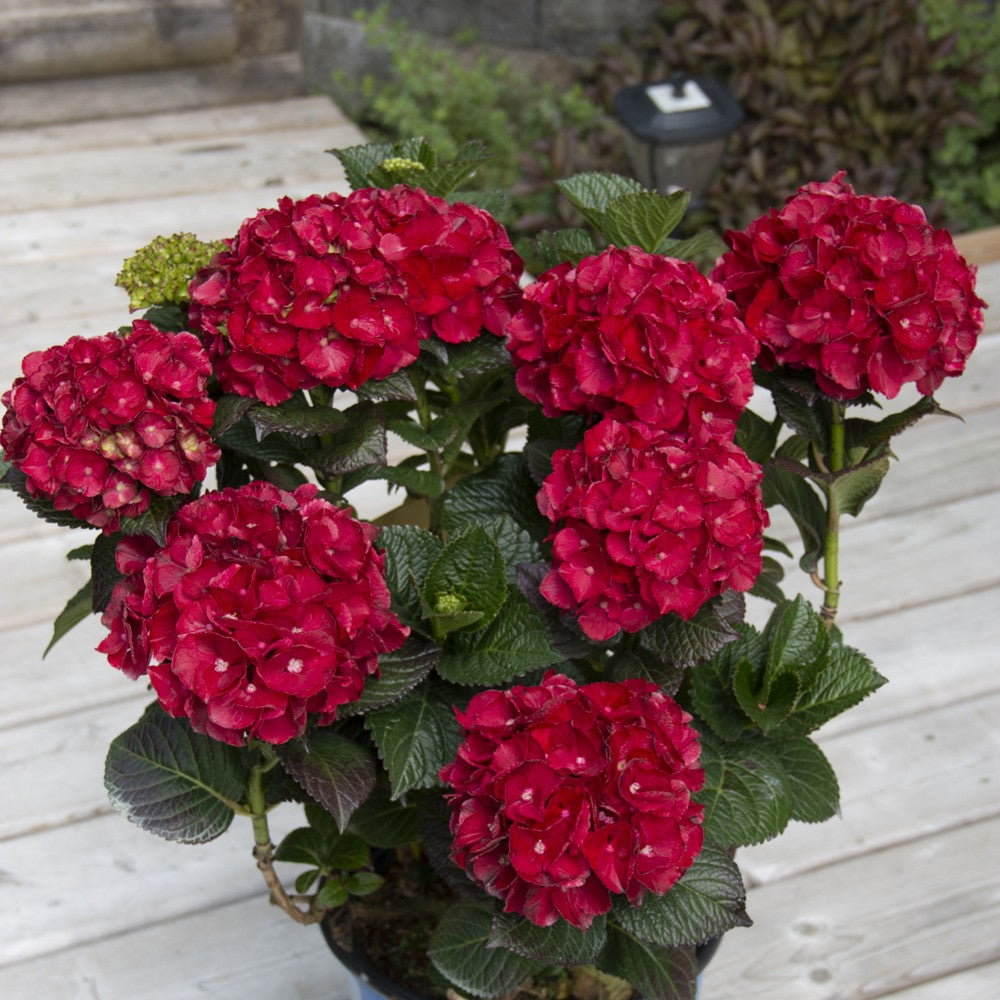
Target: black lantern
point(676, 131)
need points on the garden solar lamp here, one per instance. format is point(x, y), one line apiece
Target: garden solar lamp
point(676, 131)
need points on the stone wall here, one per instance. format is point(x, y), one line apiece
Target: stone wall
point(562, 29)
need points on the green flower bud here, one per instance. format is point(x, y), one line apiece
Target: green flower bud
point(159, 273)
point(449, 604)
point(400, 165)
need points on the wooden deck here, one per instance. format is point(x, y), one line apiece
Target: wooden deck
point(900, 896)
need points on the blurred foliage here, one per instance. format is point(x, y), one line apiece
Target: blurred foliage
point(966, 171)
point(826, 84)
point(535, 130)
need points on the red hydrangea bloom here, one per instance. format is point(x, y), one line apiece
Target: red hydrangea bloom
point(647, 521)
point(636, 336)
point(261, 607)
point(338, 290)
point(565, 795)
point(861, 290)
point(99, 425)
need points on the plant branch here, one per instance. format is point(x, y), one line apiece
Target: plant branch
point(263, 850)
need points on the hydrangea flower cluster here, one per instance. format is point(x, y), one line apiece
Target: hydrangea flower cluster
point(637, 336)
point(565, 795)
point(260, 608)
point(656, 510)
point(861, 290)
point(649, 522)
point(99, 425)
point(339, 290)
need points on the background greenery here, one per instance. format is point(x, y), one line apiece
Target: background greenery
point(903, 94)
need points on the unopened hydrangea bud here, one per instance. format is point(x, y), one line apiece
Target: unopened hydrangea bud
point(449, 604)
point(400, 165)
point(161, 271)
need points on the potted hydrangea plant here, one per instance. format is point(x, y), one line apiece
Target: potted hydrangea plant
point(525, 717)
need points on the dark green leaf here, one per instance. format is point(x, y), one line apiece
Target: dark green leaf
point(302, 846)
point(167, 317)
point(711, 684)
point(699, 245)
point(363, 883)
point(797, 641)
point(767, 585)
point(361, 443)
point(559, 944)
point(297, 420)
point(103, 570)
point(685, 643)
point(78, 607)
point(459, 952)
point(516, 642)
point(304, 882)
point(560, 245)
point(415, 738)
point(471, 568)
point(396, 387)
point(242, 438)
point(81, 553)
point(399, 673)
point(745, 798)
point(810, 419)
point(767, 708)
point(486, 353)
point(381, 822)
point(359, 161)
point(853, 488)
point(172, 781)
point(433, 818)
point(812, 785)
point(504, 488)
point(657, 973)
point(869, 433)
point(516, 546)
point(229, 411)
point(14, 479)
point(847, 679)
point(332, 894)
point(412, 433)
point(337, 772)
point(800, 500)
point(708, 900)
point(641, 664)
point(590, 193)
point(643, 218)
point(418, 482)
point(756, 436)
point(153, 520)
point(409, 554)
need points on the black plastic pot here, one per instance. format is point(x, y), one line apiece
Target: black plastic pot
point(373, 984)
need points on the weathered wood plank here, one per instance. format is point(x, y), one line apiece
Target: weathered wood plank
point(73, 678)
point(54, 770)
point(131, 173)
point(45, 579)
point(40, 236)
point(951, 759)
point(102, 877)
point(871, 926)
point(982, 983)
point(242, 951)
point(157, 129)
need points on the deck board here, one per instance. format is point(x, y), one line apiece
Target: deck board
point(900, 897)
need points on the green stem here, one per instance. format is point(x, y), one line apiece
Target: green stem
point(263, 849)
point(831, 550)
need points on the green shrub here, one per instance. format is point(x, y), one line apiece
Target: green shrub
point(826, 84)
point(966, 170)
point(454, 93)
